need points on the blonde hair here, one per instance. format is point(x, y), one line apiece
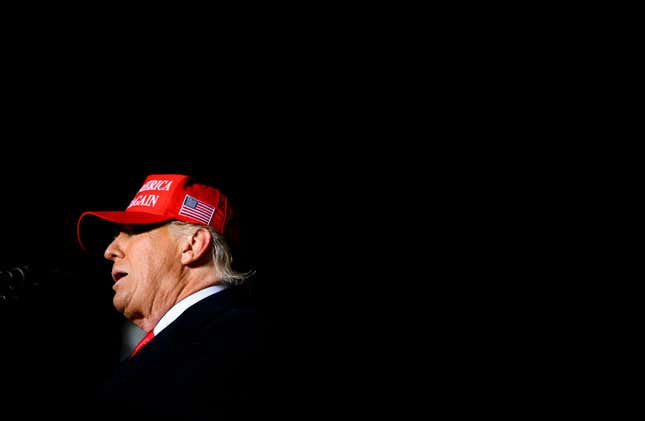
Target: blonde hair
point(222, 256)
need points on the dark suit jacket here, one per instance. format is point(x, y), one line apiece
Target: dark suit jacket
point(210, 360)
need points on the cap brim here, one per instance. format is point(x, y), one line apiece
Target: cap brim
point(96, 236)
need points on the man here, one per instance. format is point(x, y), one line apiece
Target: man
point(174, 278)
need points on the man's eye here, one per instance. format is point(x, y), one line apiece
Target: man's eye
point(135, 229)
point(139, 229)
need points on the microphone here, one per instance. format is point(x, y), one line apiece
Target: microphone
point(18, 280)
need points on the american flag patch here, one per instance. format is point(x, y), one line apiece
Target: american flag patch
point(196, 209)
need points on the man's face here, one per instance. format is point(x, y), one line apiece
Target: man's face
point(145, 269)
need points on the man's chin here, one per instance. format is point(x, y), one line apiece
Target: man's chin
point(118, 305)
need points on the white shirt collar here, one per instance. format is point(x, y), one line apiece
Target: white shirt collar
point(182, 305)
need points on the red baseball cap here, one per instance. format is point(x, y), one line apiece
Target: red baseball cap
point(166, 197)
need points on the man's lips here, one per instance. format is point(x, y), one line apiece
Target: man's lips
point(116, 275)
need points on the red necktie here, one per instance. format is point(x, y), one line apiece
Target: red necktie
point(143, 341)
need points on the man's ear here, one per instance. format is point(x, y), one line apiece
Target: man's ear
point(196, 245)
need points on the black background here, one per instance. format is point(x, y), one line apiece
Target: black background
point(285, 134)
point(83, 127)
